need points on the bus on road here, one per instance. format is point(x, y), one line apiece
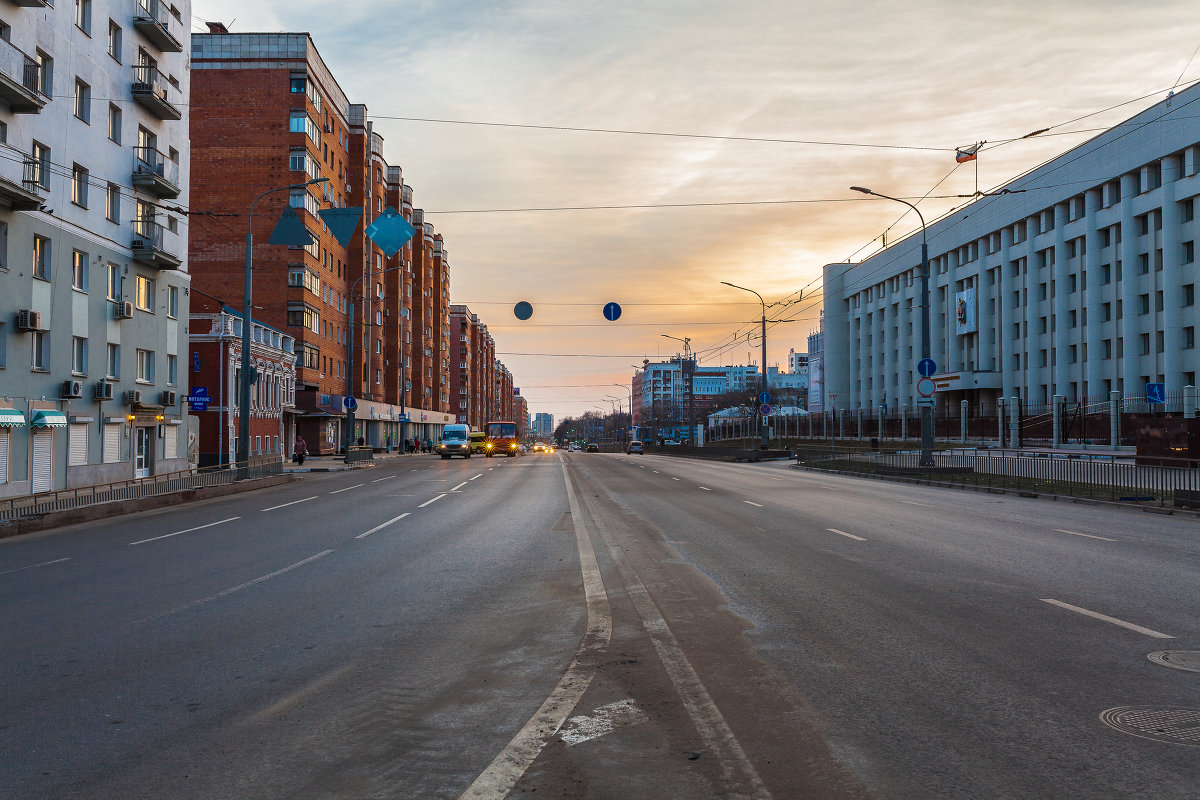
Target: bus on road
point(501, 437)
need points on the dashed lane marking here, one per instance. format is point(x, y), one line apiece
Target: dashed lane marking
point(847, 535)
point(35, 566)
point(1088, 535)
point(704, 488)
point(348, 488)
point(285, 505)
point(381, 527)
point(674, 479)
point(1106, 618)
point(431, 502)
point(384, 478)
point(456, 488)
point(752, 503)
point(480, 475)
point(185, 530)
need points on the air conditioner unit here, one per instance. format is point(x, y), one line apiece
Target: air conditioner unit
point(133, 397)
point(104, 390)
point(29, 320)
point(123, 310)
point(72, 389)
point(347, 187)
point(168, 397)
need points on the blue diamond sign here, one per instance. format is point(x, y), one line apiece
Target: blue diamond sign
point(390, 231)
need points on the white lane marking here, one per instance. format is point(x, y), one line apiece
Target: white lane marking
point(604, 720)
point(495, 782)
point(384, 478)
point(238, 588)
point(656, 472)
point(285, 505)
point(348, 488)
point(674, 479)
point(704, 488)
point(922, 505)
point(381, 527)
point(480, 475)
point(185, 530)
point(847, 535)
point(456, 488)
point(1105, 618)
point(1088, 535)
point(431, 502)
point(35, 566)
point(291, 700)
point(752, 503)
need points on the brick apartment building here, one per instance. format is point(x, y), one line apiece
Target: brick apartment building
point(473, 384)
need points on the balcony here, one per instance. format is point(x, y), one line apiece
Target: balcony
point(152, 20)
point(150, 246)
point(155, 173)
point(153, 93)
point(23, 193)
point(31, 3)
point(20, 81)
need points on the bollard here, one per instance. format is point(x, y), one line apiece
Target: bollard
point(1114, 420)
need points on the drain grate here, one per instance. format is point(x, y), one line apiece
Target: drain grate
point(1178, 659)
point(1169, 725)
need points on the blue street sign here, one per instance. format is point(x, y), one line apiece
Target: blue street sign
point(612, 311)
point(198, 399)
point(764, 397)
point(195, 362)
point(523, 310)
point(926, 367)
point(1156, 393)
point(349, 403)
point(764, 409)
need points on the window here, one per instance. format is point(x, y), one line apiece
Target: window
point(173, 302)
point(1189, 252)
point(79, 268)
point(1189, 294)
point(1144, 343)
point(114, 122)
point(301, 122)
point(83, 101)
point(45, 65)
point(41, 161)
point(172, 369)
point(144, 293)
point(113, 366)
point(41, 257)
point(115, 280)
point(145, 366)
point(79, 186)
point(40, 346)
point(114, 40)
point(112, 203)
point(78, 355)
point(83, 16)
point(1189, 337)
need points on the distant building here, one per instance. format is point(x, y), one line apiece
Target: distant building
point(797, 362)
point(543, 424)
point(816, 372)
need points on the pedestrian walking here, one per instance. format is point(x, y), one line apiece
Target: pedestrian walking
point(300, 450)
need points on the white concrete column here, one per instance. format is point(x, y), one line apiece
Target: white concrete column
point(1014, 422)
point(1007, 343)
point(962, 420)
point(1090, 272)
point(1172, 277)
point(905, 390)
point(1057, 414)
point(1129, 289)
point(954, 356)
point(889, 352)
point(1000, 407)
point(1189, 401)
point(986, 358)
point(878, 365)
point(861, 393)
point(1061, 338)
point(1114, 419)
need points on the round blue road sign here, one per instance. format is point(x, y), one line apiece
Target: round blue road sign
point(764, 397)
point(523, 310)
point(926, 367)
point(611, 312)
point(350, 403)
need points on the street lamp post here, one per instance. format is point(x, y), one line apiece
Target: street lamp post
point(630, 391)
point(926, 347)
point(766, 390)
point(350, 376)
point(243, 444)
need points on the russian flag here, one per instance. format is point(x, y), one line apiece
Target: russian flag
point(964, 154)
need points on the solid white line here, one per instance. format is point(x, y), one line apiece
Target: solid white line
point(674, 479)
point(35, 566)
point(456, 488)
point(239, 587)
point(847, 535)
point(186, 530)
point(704, 488)
point(381, 527)
point(348, 488)
point(752, 503)
point(285, 505)
point(1088, 535)
point(1106, 618)
point(431, 502)
point(497, 781)
point(384, 478)
point(480, 475)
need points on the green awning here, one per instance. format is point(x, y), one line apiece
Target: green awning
point(44, 418)
point(11, 418)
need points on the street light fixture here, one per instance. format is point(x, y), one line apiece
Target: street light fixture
point(630, 391)
point(243, 445)
point(926, 409)
point(765, 389)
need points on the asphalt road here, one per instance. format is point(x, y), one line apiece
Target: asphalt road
point(602, 626)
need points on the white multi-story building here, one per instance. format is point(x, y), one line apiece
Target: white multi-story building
point(1077, 280)
point(93, 288)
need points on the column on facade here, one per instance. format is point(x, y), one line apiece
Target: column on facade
point(1129, 283)
point(1090, 274)
point(987, 298)
point(1062, 371)
point(937, 321)
point(888, 343)
point(905, 391)
point(879, 352)
point(954, 356)
point(865, 326)
point(1007, 341)
point(1172, 277)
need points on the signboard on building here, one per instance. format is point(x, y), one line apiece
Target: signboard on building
point(964, 312)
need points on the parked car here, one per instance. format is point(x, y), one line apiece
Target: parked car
point(635, 447)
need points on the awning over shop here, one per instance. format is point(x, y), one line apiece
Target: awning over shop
point(11, 418)
point(46, 418)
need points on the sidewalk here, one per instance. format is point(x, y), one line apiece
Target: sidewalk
point(336, 463)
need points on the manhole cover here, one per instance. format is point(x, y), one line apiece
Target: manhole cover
point(1179, 659)
point(1170, 725)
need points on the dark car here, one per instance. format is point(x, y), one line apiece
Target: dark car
point(635, 447)
point(593, 447)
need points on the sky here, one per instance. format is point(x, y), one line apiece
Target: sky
point(773, 110)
